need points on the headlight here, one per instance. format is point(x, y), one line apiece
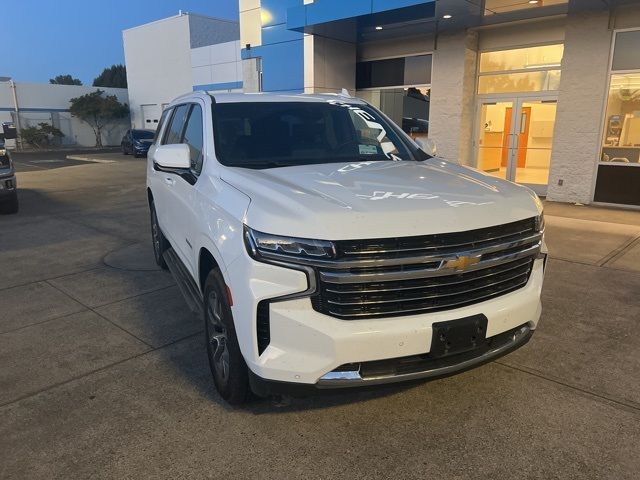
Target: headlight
point(3, 152)
point(540, 223)
point(274, 246)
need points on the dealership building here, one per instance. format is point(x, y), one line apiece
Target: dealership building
point(545, 93)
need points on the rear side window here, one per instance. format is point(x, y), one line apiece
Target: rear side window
point(193, 137)
point(176, 125)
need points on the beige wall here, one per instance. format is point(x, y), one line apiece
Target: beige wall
point(333, 65)
point(577, 136)
point(453, 95)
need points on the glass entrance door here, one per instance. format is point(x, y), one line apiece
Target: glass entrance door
point(514, 139)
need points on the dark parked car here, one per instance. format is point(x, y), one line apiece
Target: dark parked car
point(137, 142)
point(8, 185)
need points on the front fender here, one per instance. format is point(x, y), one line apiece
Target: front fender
point(222, 215)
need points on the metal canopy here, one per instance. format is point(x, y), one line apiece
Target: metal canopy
point(369, 20)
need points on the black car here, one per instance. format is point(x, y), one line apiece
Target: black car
point(137, 142)
point(8, 185)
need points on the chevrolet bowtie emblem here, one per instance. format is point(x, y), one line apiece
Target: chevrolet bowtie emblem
point(462, 262)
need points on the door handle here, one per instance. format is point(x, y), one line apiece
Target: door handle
point(169, 181)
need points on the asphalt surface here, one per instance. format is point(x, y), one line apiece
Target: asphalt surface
point(48, 160)
point(103, 372)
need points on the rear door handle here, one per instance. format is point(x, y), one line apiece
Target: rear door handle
point(169, 181)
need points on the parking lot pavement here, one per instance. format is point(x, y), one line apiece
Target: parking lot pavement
point(48, 160)
point(103, 372)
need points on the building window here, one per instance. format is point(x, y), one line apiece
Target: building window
point(531, 69)
point(618, 182)
point(621, 139)
point(394, 72)
point(400, 87)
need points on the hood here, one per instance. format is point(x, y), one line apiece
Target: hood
point(340, 201)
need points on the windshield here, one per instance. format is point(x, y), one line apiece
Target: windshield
point(143, 134)
point(279, 134)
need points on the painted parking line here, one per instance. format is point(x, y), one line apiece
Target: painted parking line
point(83, 158)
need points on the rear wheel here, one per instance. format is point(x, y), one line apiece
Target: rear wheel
point(124, 150)
point(228, 368)
point(10, 205)
point(160, 243)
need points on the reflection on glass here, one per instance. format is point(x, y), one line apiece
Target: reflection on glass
point(408, 107)
point(491, 7)
point(493, 138)
point(621, 143)
point(626, 55)
point(519, 82)
point(546, 56)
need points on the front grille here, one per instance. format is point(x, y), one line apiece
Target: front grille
point(412, 275)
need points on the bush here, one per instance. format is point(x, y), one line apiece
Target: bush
point(40, 136)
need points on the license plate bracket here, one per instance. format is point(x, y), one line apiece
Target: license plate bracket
point(458, 336)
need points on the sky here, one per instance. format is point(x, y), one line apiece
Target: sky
point(45, 38)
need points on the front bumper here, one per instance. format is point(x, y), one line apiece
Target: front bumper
point(142, 149)
point(8, 184)
point(306, 346)
point(391, 371)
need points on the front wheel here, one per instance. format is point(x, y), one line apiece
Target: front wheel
point(229, 370)
point(160, 243)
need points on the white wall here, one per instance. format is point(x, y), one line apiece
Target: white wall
point(216, 64)
point(170, 57)
point(158, 62)
point(48, 103)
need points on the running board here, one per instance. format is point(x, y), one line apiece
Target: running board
point(186, 284)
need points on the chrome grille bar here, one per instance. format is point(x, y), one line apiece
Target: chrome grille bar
point(430, 296)
point(416, 310)
point(444, 282)
point(349, 277)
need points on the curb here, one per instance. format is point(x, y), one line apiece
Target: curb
point(83, 158)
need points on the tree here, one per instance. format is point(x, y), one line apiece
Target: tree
point(40, 136)
point(98, 111)
point(114, 76)
point(65, 80)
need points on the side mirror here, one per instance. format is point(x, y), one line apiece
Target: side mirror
point(428, 146)
point(173, 156)
point(9, 131)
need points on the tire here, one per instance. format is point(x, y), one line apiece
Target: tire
point(10, 205)
point(228, 368)
point(124, 150)
point(160, 243)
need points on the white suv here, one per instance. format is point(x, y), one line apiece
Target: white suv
point(326, 249)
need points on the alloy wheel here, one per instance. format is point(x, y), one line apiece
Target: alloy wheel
point(217, 338)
